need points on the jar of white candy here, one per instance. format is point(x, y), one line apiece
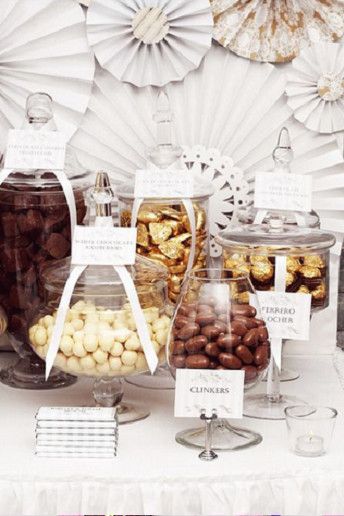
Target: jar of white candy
point(100, 338)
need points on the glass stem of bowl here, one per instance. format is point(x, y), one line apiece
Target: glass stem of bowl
point(108, 391)
point(273, 384)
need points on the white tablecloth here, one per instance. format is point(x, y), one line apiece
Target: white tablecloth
point(154, 475)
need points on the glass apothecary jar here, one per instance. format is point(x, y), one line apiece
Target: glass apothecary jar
point(35, 230)
point(256, 250)
point(100, 337)
point(252, 250)
point(217, 326)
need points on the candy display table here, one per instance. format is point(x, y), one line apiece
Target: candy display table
point(152, 474)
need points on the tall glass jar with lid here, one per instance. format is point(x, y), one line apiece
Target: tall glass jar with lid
point(35, 230)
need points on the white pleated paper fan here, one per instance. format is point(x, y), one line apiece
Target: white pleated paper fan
point(230, 104)
point(315, 87)
point(149, 42)
point(43, 47)
point(275, 30)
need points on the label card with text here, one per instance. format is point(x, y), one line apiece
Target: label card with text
point(287, 315)
point(206, 389)
point(37, 150)
point(166, 184)
point(103, 246)
point(278, 191)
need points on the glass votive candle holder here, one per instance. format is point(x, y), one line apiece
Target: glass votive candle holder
point(310, 429)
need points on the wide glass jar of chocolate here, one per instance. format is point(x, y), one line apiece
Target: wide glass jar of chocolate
point(100, 337)
point(165, 232)
point(217, 326)
point(35, 230)
point(252, 249)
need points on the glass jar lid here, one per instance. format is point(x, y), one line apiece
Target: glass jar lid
point(202, 190)
point(281, 239)
point(104, 280)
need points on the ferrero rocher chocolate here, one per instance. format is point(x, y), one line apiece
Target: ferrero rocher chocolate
point(164, 235)
point(304, 274)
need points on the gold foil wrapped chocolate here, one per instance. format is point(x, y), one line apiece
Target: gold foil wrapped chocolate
point(164, 235)
point(304, 274)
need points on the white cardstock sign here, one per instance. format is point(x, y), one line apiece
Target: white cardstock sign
point(76, 414)
point(280, 191)
point(287, 314)
point(103, 246)
point(165, 184)
point(209, 390)
point(37, 150)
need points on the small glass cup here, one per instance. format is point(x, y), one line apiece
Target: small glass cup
point(310, 429)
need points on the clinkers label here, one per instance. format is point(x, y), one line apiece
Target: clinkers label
point(282, 191)
point(208, 391)
point(165, 184)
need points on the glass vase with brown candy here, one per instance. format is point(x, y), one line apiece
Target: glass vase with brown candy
point(217, 325)
point(35, 231)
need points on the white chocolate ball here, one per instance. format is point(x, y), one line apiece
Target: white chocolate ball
point(117, 349)
point(141, 362)
point(103, 368)
point(115, 363)
point(161, 337)
point(106, 340)
point(91, 328)
point(40, 336)
point(68, 329)
point(90, 342)
point(77, 324)
point(131, 324)
point(50, 331)
point(151, 314)
point(104, 326)
point(118, 325)
point(121, 335)
point(73, 364)
point(126, 370)
point(48, 321)
point(88, 362)
point(100, 356)
point(66, 345)
point(60, 361)
point(79, 306)
point(79, 336)
point(133, 343)
point(107, 316)
point(32, 332)
point(79, 350)
point(156, 346)
point(129, 358)
point(92, 317)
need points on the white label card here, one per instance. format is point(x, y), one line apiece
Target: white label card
point(279, 191)
point(287, 315)
point(166, 184)
point(205, 389)
point(37, 150)
point(103, 246)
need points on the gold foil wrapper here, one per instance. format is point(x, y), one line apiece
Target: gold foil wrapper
point(262, 271)
point(310, 272)
point(293, 264)
point(319, 293)
point(290, 278)
point(142, 235)
point(159, 232)
point(314, 260)
point(303, 290)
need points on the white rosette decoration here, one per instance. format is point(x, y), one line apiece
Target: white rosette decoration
point(43, 47)
point(231, 189)
point(149, 42)
point(275, 30)
point(315, 87)
point(230, 104)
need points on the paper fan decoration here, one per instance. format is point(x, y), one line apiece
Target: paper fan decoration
point(231, 189)
point(149, 42)
point(43, 47)
point(315, 87)
point(275, 30)
point(230, 104)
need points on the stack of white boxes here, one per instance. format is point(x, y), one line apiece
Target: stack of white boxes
point(76, 432)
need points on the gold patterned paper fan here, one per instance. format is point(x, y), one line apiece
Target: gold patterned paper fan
point(275, 30)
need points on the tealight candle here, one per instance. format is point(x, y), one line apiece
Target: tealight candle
point(310, 445)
